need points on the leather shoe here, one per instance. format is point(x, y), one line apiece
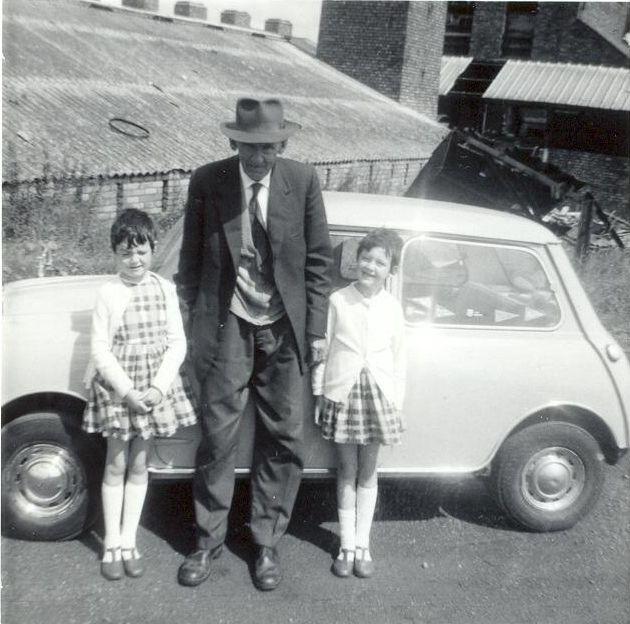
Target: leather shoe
point(112, 570)
point(267, 574)
point(133, 564)
point(196, 568)
point(363, 568)
point(342, 566)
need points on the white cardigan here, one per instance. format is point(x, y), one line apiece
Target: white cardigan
point(111, 301)
point(363, 332)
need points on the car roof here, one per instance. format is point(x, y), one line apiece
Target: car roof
point(364, 211)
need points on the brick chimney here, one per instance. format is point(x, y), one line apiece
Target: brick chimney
point(197, 10)
point(279, 26)
point(236, 18)
point(145, 5)
point(393, 47)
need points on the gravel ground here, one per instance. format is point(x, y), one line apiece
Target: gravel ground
point(445, 555)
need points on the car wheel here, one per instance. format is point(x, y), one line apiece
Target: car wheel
point(548, 476)
point(50, 476)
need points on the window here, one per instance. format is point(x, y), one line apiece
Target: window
point(518, 37)
point(533, 123)
point(459, 21)
point(457, 283)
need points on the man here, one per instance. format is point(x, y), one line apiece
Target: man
point(254, 279)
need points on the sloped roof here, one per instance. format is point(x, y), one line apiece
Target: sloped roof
point(590, 86)
point(450, 70)
point(609, 20)
point(69, 69)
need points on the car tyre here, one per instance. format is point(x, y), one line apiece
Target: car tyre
point(50, 476)
point(548, 476)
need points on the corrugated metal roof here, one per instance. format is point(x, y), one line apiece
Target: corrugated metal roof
point(69, 69)
point(590, 86)
point(450, 71)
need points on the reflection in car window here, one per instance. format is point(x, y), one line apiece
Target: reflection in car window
point(344, 268)
point(448, 282)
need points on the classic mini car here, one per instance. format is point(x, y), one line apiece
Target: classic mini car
point(511, 376)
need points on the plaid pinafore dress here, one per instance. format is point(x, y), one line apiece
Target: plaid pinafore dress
point(366, 417)
point(139, 345)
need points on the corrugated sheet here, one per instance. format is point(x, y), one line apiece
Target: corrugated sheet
point(589, 86)
point(450, 71)
point(69, 69)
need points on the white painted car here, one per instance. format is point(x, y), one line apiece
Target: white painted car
point(511, 375)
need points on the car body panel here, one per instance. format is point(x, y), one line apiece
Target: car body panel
point(467, 387)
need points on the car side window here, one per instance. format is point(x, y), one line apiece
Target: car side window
point(459, 283)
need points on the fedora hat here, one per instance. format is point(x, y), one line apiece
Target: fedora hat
point(259, 121)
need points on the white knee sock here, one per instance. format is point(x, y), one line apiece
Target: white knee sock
point(347, 519)
point(112, 496)
point(135, 494)
point(366, 504)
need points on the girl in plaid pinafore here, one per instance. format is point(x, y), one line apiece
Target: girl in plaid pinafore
point(359, 390)
point(136, 391)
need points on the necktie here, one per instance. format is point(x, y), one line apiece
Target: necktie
point(259, 235)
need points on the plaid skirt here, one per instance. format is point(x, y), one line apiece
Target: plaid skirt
point(367, 417)
point(139, 346)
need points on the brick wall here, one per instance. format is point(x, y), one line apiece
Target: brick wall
point(609, 177)
point(365, 40)
point(561, 37)
point(165, 194)
point(487, 31)
point(392, 47)
point(420, 77)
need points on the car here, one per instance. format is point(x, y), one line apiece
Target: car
point(511, 376)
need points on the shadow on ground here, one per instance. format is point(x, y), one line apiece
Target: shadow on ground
point(169, 512)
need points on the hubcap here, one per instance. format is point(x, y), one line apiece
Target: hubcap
point(45, 480)
point(553, 479)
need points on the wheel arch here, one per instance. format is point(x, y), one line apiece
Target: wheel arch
point(43, 401)
point(581, 417)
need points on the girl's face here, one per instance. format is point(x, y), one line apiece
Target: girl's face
point(374, 266)
point(133, 262)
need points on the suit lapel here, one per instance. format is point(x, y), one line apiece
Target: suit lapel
point(229, 203)
point(279, 207)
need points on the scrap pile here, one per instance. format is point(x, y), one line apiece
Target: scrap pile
point(473, 169)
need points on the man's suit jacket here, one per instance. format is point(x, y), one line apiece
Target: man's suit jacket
point(211, 245)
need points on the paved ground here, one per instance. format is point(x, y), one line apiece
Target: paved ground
point(445, 556)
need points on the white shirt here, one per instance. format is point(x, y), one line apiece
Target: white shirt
point(363, 332)
point(263, 192)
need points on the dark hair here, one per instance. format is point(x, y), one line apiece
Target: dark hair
point(388, 240)
point(133, 227)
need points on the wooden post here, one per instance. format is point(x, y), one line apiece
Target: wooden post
point(584, 228)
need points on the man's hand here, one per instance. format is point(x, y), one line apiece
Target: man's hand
point(317, 351)
point(134, 400)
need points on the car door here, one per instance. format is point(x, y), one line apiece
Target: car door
point(485, 331)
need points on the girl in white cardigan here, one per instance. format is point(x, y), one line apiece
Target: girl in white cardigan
point(359, 391)
point(135, 389)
